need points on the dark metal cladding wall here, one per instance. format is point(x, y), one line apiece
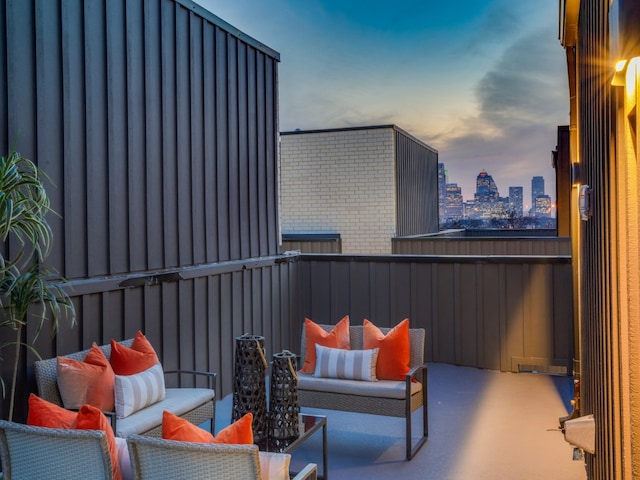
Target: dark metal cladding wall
point(599, 367)
point(502, 313)
point(417, 186)
point(157, 126)
point(482, 246)
point(157, 123)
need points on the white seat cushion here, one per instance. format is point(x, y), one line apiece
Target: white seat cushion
point(379, 389)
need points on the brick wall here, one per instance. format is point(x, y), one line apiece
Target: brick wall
point(341, 182)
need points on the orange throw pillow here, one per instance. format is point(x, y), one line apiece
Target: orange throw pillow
point(394, 355)
point(90, 418)
point(129, 361)
point(314, 334)
point(90, 381)
point(177, 428)
point(46, 414)
point(239, 432)
point(182, 430)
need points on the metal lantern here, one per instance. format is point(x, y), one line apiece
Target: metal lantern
point(249, 392)
point(284, 407)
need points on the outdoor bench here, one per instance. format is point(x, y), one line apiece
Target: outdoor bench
point(382, 397)
point(194, 404)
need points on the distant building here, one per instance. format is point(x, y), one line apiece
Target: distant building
point(486, 195)
point(366, 184)
point(542, 207)
point(453, 205)
point(537, 188)
point(469, 208)
point(515, 201)
point(442, 190)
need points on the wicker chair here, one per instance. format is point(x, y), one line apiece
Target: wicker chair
point(195, 404)
point(384, 397)
point(157, 459)
point(30, 452)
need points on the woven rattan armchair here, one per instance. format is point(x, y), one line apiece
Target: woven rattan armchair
point(194, 404)
point(384, 397)
point(157, 459)
point(29, 453)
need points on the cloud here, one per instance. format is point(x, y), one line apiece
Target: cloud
point(521, 101)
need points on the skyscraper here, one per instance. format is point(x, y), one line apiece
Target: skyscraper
point(537, 189)
point(486, 194)
point(454, 202)
point(543, 206)
point(442, 190)
point(515, 200)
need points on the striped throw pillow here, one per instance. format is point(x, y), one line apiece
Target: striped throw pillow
point(347, 364)
point(134, 392)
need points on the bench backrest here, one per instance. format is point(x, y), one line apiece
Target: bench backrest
point(46, 372)
point(52, 453)
point(416, 341)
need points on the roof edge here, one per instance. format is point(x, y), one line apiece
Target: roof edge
point(339, 129)
point(249, 40)
point(389, 126)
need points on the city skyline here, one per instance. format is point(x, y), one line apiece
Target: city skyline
point(526, 205)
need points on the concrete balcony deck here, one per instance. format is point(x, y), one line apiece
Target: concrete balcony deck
point(483, 424)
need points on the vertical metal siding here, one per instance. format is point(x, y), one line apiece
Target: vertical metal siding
point(417, 186)
point(158, 126)
point(482, 246)
point(600, 368)
point(4, 130)
point(502, 313)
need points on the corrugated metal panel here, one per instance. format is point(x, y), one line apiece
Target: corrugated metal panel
point(157, 122)
point(192, 323)
point(600, 355)
point(416, 185)
point(313, 246)
point(158, 126)
point(497, 312)
point(480, 246)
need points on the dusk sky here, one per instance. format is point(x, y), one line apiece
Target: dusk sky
point(482, 81)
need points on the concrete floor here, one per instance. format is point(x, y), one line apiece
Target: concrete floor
point(483, 424)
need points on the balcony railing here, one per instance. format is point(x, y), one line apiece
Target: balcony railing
point(509, 313)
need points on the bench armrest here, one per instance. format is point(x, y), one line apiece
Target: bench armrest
point(310, 472)
point(211, 376)
point(417, 373)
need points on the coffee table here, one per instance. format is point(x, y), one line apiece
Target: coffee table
point(309, 424)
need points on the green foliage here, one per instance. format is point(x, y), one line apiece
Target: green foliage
point(24, 205)
point(29, 290)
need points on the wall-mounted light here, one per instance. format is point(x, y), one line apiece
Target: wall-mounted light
point(620, 73)
point(585, 202)
point(576, 174)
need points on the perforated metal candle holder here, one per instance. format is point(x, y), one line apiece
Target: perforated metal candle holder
point(284, 407)
point(249, 390)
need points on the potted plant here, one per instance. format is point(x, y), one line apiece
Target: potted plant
point(29, 290)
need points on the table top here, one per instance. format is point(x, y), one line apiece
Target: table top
point(308, 424)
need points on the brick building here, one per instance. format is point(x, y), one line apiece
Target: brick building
point(366, 184)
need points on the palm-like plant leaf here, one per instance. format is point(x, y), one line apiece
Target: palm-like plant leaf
point(29, 291)
point(24, 204)
point(32, 293)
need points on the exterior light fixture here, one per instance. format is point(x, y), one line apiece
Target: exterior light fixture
point(585, 202)
point(619, 73)
point(576, 174)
